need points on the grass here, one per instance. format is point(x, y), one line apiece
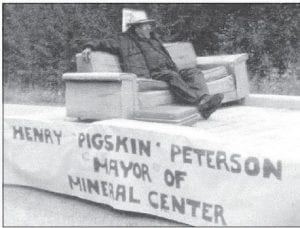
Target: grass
point(280, 86)
point(35, 96)
point(38, 96)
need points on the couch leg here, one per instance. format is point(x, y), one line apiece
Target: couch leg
point(241, 101)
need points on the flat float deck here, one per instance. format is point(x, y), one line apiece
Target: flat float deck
point(258, 131)
point(233, 123)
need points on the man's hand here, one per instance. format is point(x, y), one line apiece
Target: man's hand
point(86, 54)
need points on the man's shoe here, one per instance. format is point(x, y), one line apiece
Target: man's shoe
point(209, 104)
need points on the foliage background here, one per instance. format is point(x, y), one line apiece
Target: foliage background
point(40, 41)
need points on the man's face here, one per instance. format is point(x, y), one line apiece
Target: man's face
point(145, 29)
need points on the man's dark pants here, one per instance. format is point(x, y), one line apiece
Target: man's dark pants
point(188, 85)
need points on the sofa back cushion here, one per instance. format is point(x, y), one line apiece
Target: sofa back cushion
point(100, 62)
point(182, 53)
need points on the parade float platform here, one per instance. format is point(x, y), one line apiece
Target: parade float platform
point(240, 167)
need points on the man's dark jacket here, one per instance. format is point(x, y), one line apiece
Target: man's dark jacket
point(127, 47)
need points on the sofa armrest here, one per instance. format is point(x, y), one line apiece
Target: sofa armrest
point(236, 66)
point(99, 76)
point(100, 95)
point(221, 59)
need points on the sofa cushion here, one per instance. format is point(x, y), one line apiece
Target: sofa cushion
point(100, 62)
point(176, 114)
point(183, 54)
point(222, 85)
point(145, 84)
point(215, 73)
point(210, 75)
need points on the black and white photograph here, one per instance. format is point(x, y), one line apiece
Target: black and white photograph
point(150, 113)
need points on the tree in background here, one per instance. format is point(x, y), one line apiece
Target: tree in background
point(41, 40)
point(267, 32)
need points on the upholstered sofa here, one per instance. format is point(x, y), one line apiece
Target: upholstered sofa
point(100, 90)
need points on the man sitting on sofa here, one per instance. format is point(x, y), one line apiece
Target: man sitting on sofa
point(142, 53)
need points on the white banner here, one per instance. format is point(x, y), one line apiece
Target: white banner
point(179, 173)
